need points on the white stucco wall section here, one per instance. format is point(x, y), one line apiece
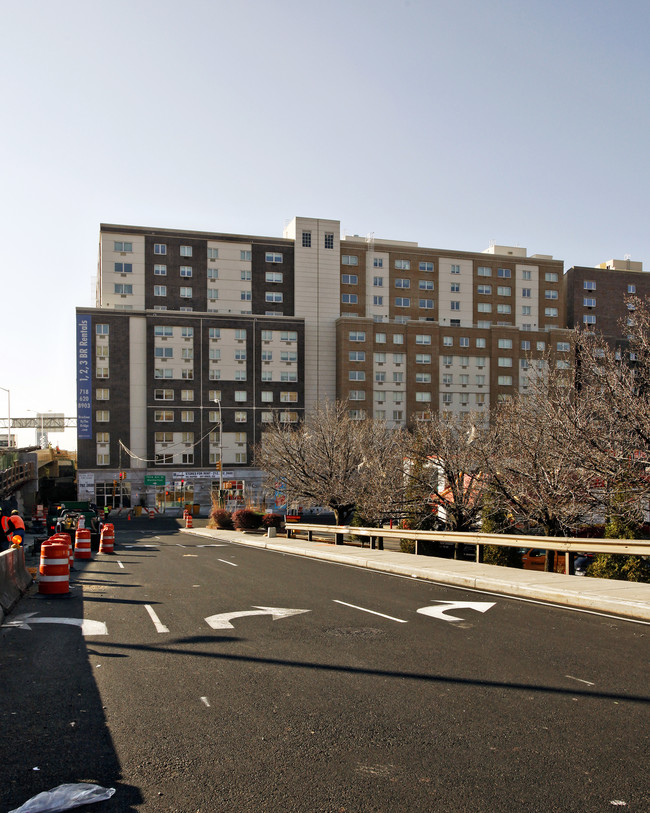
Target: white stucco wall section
point(138, 389)
point(317, 288)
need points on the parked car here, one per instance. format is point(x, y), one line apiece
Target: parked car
point(535, 559)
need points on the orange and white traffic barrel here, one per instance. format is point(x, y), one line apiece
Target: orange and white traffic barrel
point(106, 539)
point(54, 569)
point(151, 514)
point(65, 538)
point(82, 544)
point(188, 520)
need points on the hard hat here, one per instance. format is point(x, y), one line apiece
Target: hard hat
point(14, 512)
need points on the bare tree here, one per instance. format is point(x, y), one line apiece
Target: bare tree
point(446, 472)
point(332, 460)
point(534, 454)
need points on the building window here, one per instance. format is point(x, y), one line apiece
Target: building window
point(273, 276)
point(273, 257)
point(245, 296)
point(186, 251)
point(288, 417)
point(402, 283)
point(526, 293)
point(378, 282)
point(289, 336)
point(121, 288)
point(163, 395)
point(306, 239)
point(550, 294)
point(349, 259)
point(455, 269)
point(484, 271)
point(213, 253)
point(504, 273)
point(551, 276)
point(163, 372)
point(380, 338)
point(423, 396)
point(563, 347)
point(504, 380)
point(505, 362)
point(402, 302)
point(505, 344)
point(160, 270)
point(186, 270)
point(425, 285)
point(187, 416)
point(213, 273)
point(427, 304)
point(425, 266)
point(526, 275)
point(329, 239)
point(289, 397)
point(357, 395)
point(163, 416)
point(484, 307)
point(378, 301)
point(349, 279)
point(163, 330)
point(504, 290)
point(160, 248)
point(589, 319)
point(357, 355)
point(273, 296)
point(589, 302)
point(123, 268)
point(504, 309)
point(541, 346)
point(525, 345)
point(403, 265)
point(631, 289)
point(377, 262)
point(160, 290)
point(186, 293)
point(464, 341)
point(122, 247)
point(422, 338)
point(357, 336)
point(240, 396)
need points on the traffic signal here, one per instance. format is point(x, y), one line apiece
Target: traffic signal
point(218, 465)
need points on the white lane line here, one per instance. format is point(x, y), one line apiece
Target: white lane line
point(205, 700)
point(226, 562)
point(588, 682)
point(160, 627)
point(363, 609)
point(178, 545)
point(120, 564)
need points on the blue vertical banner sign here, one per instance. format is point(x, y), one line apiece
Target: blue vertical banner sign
point(84, 378)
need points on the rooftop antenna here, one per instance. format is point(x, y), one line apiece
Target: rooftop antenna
point(370, 239)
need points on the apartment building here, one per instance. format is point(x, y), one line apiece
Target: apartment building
point(598, 298)
point(199, 339)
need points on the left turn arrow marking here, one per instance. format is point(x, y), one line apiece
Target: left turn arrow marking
point(88, 627)
point(440, 610)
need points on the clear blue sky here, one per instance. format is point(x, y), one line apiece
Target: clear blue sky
point(448, 122)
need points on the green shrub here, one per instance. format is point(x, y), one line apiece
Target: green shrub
point(246, 520)
point(498, 555)
point(407, 545)
point(620, 566)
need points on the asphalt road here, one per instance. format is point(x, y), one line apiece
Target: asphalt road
point(361, 702)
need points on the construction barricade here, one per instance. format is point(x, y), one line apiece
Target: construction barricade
point(54, 569)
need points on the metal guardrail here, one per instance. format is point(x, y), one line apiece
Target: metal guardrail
point(14, 477)
point(563, 544)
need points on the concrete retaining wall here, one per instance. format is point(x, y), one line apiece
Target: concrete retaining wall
point(14, 578)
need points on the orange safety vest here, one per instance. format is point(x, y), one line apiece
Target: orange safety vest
point(16, 531)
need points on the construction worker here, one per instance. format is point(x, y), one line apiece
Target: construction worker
point(4, 527)
point(16, 529)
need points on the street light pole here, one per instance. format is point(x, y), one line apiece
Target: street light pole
point(218, 403)
point(8, 416)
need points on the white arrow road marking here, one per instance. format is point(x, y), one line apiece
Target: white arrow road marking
point(222, 620)
point(88, 627)
point(226, 562)
point(206, 701)
point(160, 627)
point(120, 564)
point(440, 610)
point(363, 609)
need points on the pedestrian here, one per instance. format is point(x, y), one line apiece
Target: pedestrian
point(16, 529)
point(4, 527)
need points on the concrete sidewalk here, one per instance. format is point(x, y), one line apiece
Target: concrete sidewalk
point(629, 599)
